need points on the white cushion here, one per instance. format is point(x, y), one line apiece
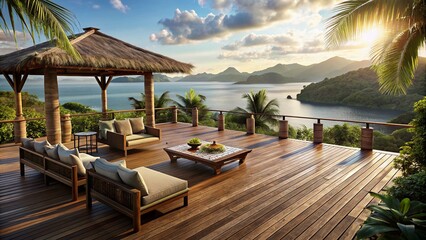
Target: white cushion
point(75, 160)
point(133, 178)
point(27, 143)
point(107, 169)
point(87, 159)
point(64, 154)
point(39, 146)
point(52, 151)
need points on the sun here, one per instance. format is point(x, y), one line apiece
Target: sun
point(371, 35)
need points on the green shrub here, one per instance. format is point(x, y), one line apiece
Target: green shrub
point(345, 135)
point(412, 158)
point(35, 128)
point(412, 187)
point(394, 219)
point(6, 129)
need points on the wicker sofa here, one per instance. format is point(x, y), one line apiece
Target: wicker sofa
point(53, 168)
point(129, 200)
point(118, 138)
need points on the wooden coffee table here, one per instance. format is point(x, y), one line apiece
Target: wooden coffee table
point(214, 160)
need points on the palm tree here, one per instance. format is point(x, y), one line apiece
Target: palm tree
point(36, 17)
point(394, 58)
point(258, 103)
point(159, 102)
point(192, 100)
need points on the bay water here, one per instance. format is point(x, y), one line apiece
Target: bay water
point(219, 95)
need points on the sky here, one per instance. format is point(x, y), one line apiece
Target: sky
point(213, 35)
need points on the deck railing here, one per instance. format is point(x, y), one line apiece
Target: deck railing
point(367, 136)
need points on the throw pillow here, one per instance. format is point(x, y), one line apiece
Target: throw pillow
point(123, 127)
point(133, 178)
point(39, 146)
point(107, 169)
point(137, 125)
point(27, 143)
point(105, 126)
point(75, 160)
point(64, 154)
point(52, 151)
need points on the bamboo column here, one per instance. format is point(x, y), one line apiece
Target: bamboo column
point(51, 98)
point(20, 125)
point(149, 99)
point(66, 127)
point(104, 83)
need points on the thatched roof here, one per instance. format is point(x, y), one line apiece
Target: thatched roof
point(100, 54)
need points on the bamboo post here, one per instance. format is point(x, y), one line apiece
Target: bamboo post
point(283, 130)
point(221, 122)
point(367, 138)
point(195, 117)
point(250, 124)
point(174, 114)
point(53, 118)
point(66, 127)
point(149, 99)
point(318, 132)
point(19, 125)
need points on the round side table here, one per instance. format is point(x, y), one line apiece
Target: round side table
point(90, 141)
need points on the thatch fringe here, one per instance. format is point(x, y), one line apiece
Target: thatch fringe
point(98, 51)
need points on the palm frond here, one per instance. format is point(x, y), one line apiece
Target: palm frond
point(396, 71)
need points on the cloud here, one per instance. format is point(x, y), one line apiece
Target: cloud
point(96, 6)
point(117, 4)
point(256, 40)
point(8, 44)
point(234, 15)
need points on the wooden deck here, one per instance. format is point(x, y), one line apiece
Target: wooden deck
point(286, 189)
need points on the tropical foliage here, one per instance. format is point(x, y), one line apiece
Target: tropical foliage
point(412, 158)
point(159, 102)
point(394, 57)
point(39, 17)
point(394, 219)
point(192, 100)
point(264, 110)
point(412, 187)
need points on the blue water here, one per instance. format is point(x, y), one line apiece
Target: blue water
point(224, 96)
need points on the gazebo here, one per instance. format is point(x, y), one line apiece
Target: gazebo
point(102, 56)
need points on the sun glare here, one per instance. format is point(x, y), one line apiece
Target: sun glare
point(371, 35)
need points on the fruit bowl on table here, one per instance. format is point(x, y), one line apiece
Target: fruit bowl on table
point(194, 146)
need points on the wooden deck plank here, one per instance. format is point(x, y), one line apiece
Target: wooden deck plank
point(286, 189)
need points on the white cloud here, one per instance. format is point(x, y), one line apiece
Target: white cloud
point(96, 6)
point(235, 15)
point(8, 44)
point(117, 4)
point(252, 39)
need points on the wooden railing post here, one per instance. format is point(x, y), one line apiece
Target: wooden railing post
point(221, 122)
point(318, 132)
point(174, 114)
point(195, 117)
point(250, 124)
point(283, 131)
point(367, 138)
point(19, 128)
point(66, 127)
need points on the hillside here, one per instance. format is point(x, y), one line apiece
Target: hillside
point(267, 78)
point(361, 88)
point(229, 75)
point(201, 77)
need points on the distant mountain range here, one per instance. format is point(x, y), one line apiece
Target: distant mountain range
point(283, 73)
point(157, 78)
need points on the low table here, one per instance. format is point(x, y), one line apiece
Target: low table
point(89, 144)
point(214, 160)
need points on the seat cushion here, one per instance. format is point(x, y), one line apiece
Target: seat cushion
point(133, 178)
point(123, 127)
point(137, 125)
point(142, 141)
point(160, 185)
point(138, 136)
point(107, 169)
point(105, 126)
